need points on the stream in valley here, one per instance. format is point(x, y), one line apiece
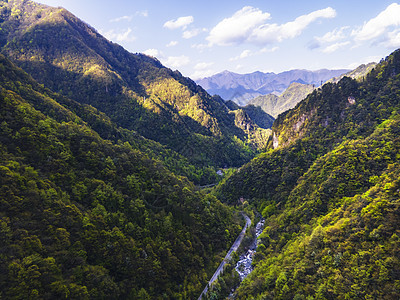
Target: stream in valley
point(244, 265)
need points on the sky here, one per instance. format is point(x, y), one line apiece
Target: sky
point(202, 38)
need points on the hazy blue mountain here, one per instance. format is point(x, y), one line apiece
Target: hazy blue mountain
point(136, 91)
point(240, 88)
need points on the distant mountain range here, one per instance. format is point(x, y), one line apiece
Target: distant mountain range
point(274, 105)
point(328, 187)
point(136, 91)
point(241, 88)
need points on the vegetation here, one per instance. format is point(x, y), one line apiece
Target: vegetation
point(330, 193)
point(134, 90)
point(101, 152)
point(275, 105)
point(85, 217)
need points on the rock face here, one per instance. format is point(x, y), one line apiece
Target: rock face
point(241, 88)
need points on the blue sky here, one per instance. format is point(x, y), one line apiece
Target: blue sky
point(201, 38)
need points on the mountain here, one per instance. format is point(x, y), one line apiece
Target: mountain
point(275, 105)
point(328, 187)
point(82, 216)
point(243, 87)
point(136, 91)
point(255, 113)
point(358, 73)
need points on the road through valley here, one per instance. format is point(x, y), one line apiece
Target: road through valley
point(228, 256)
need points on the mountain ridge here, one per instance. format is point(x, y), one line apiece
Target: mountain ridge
point(136, 91)
point(242, 87)
point(332, 163)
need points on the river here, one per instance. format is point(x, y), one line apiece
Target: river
point(228, 256)
point(244, 265)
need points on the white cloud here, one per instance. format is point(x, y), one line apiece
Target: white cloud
point(335, 47)
point(244, 54)
point(333, 36)
point(249, 25)
point(142, 13)
point(198, 74)
point(237, 28)
point(378, 26)
point(393, 39)
point(176, 61)
point(200, 47)
point(124, 36)
point(269, 50)
point(123, 18)
point(178, 23)
point(331, 40)
point(202, 65)
point(270, 33)
point(188, 34)
point(172, 44)
point(153, 52)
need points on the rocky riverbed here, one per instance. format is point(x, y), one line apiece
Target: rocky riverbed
point(244, 265)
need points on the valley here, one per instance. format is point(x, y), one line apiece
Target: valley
point(121, 178)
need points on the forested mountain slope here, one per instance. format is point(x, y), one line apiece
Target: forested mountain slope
point(134, 90)
point(274, 105)
point(330, 192)
point(90, 218)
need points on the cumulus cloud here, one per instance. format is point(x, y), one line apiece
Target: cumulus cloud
point(121, 36)
point(244, 54)
point(378, 26)
point(172, 44)
point(181, 22)
point(393, 39)
point(249, 25)
point(198, 74)
point(269, 50)
point(333, 36)
point(142, 13)
point(200, 47)
point(176, 61)
point(188, 34)
point(123, 18)
point(330, 41)
point(334, 47)
point(153, 52)
point(384, 29)
point(239, 27)
point(203, 65)
point(202, 70)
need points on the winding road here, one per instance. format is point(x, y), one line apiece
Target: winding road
point(228, 256)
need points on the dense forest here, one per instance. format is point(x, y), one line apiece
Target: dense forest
point(136, 91)
point(328, 186)
point(81, 216)
point(103, 155)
